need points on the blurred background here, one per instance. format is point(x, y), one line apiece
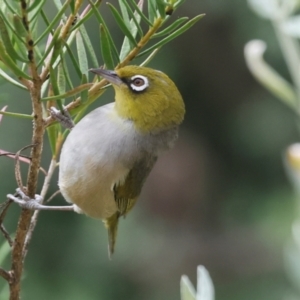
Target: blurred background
point(220, 198)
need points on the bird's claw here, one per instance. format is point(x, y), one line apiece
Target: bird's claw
point(62, 117)
point(24, 201)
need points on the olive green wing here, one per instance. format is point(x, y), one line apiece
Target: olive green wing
point(126, 195)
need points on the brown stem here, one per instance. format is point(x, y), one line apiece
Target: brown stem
point(6, 275)
point(35, 215)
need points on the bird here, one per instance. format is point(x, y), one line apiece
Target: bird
point(109, 153)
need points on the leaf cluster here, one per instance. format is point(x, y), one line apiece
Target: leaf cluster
point(34, 46)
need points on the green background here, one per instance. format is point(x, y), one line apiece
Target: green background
point(220, 198)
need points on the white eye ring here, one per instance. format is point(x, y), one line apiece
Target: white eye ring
point(143, 81)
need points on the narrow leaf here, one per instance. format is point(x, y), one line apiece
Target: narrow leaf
point(11, 80)
point(35, 9)
point(139, 11)
point(106, 49)
point(61, 79)
point(74, 60)
point(89, 46)
point(54, 86)
point(53, 22)
point(19, 26)
point(11, 64)
point(66, 73)
point(178, 3)
point(152, 11)
point(12, 6)
point(101, 21)
point(124, 11)
point(173, 35)
point(170, 28)
point(52, 132)
point(16, 115)
point(81, 54)
point(84, 94)
point(70, 93)
point(8, 44)
point(35, 4)
point(121, 24)
point(161, 8)
point(149, 58)
point(134, 23)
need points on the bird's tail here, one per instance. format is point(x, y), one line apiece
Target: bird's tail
point(112, 227)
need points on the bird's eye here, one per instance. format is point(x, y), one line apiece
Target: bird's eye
point(139, 83)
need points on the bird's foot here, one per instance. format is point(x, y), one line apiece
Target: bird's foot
point(62, 117)
point(34, 204)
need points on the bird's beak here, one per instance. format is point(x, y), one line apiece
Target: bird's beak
point(109, 75)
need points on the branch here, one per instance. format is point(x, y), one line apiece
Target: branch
point(6, 275)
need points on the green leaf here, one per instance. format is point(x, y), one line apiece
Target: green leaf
point(89, 46)
point(74, 60)
point(13, 6)
point(49, 46)
point(152, 11)
point(11, 80)
point(52, 132)
point(178, 3)
point(170, 28)
point(72, 5)
point(8, 44)
point(35, 9)
point(150, 57)
point(54, 85)
point(122, 24)
point(81, 54)
point(70, 93)
point(53, 22)
point(66, 73)
point(106, 48)
point(161, 8)
point(84, 94)
point(11, 64)
point(138, 10)
point(124, 12)
point(9, 25)
point(19, 26)
point(101, 21)
point(33, 5)
point(59, 5)
point(134, 25)
point(173, 35)
point(61, 79)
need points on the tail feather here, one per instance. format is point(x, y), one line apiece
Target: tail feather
point(112, 228)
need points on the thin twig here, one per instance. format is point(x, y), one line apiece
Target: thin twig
point(52, 196)
point(6, 275)
point(4, 208)
point(17, 168)
point(35, 215)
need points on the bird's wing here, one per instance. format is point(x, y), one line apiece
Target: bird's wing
point(126, 195)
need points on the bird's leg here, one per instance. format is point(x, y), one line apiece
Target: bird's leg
point(35, 204)
point(62, 117)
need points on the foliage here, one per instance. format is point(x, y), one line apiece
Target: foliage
point(50, 57)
